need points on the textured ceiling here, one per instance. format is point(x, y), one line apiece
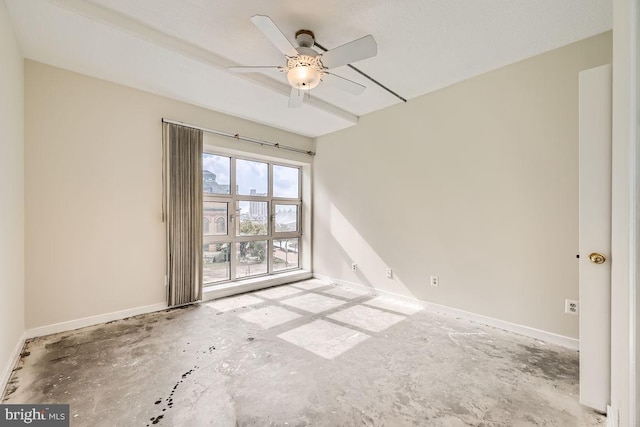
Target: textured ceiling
point(181, 49)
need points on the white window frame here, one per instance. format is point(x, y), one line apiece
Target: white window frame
point(232, 199)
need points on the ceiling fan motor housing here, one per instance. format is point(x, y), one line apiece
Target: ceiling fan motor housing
point(305, 38)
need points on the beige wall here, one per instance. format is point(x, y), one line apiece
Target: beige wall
point(11, 194)
point(476, 183)
point(94, 236)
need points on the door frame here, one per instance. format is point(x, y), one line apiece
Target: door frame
point(625, 241)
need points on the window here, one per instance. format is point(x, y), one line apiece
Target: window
point(286, 182)
point(216, 173)
point(221, 225)
point(214, 213)
point(286, 218)
point(252, 178)
point(251, 224)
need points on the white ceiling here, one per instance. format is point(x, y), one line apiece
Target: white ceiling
point(180, 49)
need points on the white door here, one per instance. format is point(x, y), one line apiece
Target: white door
point(595, 237)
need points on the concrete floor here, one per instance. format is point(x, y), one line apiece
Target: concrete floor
point(304, 354)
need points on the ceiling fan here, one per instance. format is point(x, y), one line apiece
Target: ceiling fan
point(305, 67)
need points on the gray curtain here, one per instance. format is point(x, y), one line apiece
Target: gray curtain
point(182, 212)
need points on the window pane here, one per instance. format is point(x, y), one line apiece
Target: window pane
point(214, 222)
point(216, 171)
point(285, 254)
point(252, 258)
point(216, 264)
point(286, 218)
point(252, 218)
point(285, 182)
point(252, 178)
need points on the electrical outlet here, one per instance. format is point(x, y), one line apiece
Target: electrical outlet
point(434, 281)
point(571, 306)
point(354, 266)
point(389, 273)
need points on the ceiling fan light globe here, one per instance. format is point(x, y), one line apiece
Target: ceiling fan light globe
point(303, 77)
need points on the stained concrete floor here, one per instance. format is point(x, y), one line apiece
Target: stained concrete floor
point(305, 354)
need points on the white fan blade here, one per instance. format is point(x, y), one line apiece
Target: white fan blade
point(255, 69)
point(354, 51)
point(296, 97)
point(344, 84)
point(273, 33)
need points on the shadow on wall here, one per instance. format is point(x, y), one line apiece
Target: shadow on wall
point(355, 247)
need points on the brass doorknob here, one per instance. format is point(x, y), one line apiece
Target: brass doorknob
point(597, 258)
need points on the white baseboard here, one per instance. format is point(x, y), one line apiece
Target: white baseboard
point(612, 417)
point(11, 363)
point(93, 320)
point(550, 337)
point(215, 292)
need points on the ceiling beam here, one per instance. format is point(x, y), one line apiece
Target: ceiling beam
point(189, 50)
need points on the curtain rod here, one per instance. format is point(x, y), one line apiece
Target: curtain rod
point(238, 137)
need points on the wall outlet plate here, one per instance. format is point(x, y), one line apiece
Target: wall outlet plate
point(434, 281)
point(354, 266)
point(389, 273)
point(571, 307)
